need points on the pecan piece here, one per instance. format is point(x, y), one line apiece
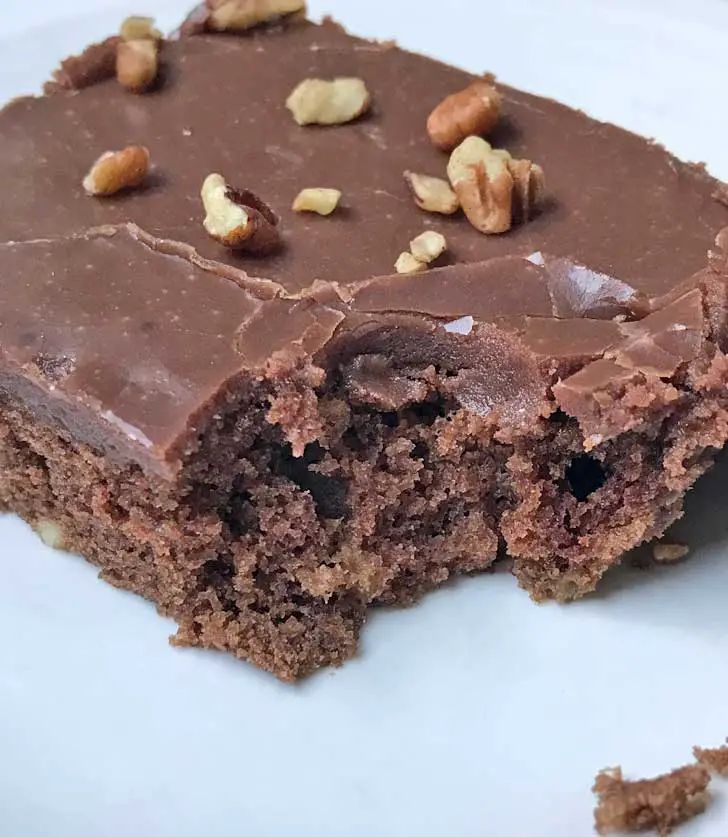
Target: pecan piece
point(117, 170)
point(428, 246)
point(238, 219)
point(319, 102)
point(320, 201)
point(475, 110)
point(407, 263)
point(137, 64)
point(239, 15)
point(494, 189)
point(432, 194)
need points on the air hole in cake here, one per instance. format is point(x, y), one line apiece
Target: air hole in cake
point(585, 475)
point(428, 412)
point(239, 514)
point(329, 493)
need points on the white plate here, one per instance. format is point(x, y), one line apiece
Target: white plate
point(475, 713)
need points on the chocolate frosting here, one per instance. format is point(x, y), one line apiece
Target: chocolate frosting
point(122, 319)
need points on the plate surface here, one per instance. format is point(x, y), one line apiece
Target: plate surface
point(474, 714)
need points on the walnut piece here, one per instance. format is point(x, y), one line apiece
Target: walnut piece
point(433, 194)
point(50, 533)
point(428, 246)
point(407, 263)
point(238, 219)
point(659, 803)
point(117, 170)
point(319, 102)
point(668, 553)
point(138, 28)
point(239, 15)
point(137, 64)
point(321, 201)
point(494, 189)
point(475, 110)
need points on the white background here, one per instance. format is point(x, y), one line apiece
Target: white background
point(475, 714)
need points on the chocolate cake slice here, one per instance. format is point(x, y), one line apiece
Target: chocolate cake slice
point(245, 413)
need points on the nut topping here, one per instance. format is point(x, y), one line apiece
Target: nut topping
point(529, 184)
point(424, 249)
point(319, 102)
point(494, 189)
point(137, 64)
point(407, 263)
point(50, 533)
point(472, 111)
point(137, 28)
point(433, 194)
point(238, 219)
point(239, 15)
point(321, 201)
point(428, 246)
point(117, 170)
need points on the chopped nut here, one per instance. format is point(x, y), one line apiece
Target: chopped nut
point(472, 111)
point(483, 183)
point(428, 246)
point(117, 170)
point(137, 64)
point(321, 201)
point(238, 219)
point(239, 15)
point(407, 263)
point(529, 184)
point(667, 553)
point(494, 189)
point(433, 194)
point(319, 102)
point(137, 28)
point(50, 533)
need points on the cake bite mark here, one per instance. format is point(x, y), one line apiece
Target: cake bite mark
point(318, 200)
point(240, 15)
point(432, 194)
point(494, 189)
point(316, 101)
point(239, 220)
point(660, 803)
point(117, 170)
point(472, 111)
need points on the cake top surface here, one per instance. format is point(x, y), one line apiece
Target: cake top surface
point(116, 290)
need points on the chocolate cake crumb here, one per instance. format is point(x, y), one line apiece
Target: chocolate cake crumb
point(660, 803)
point(714, 758)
